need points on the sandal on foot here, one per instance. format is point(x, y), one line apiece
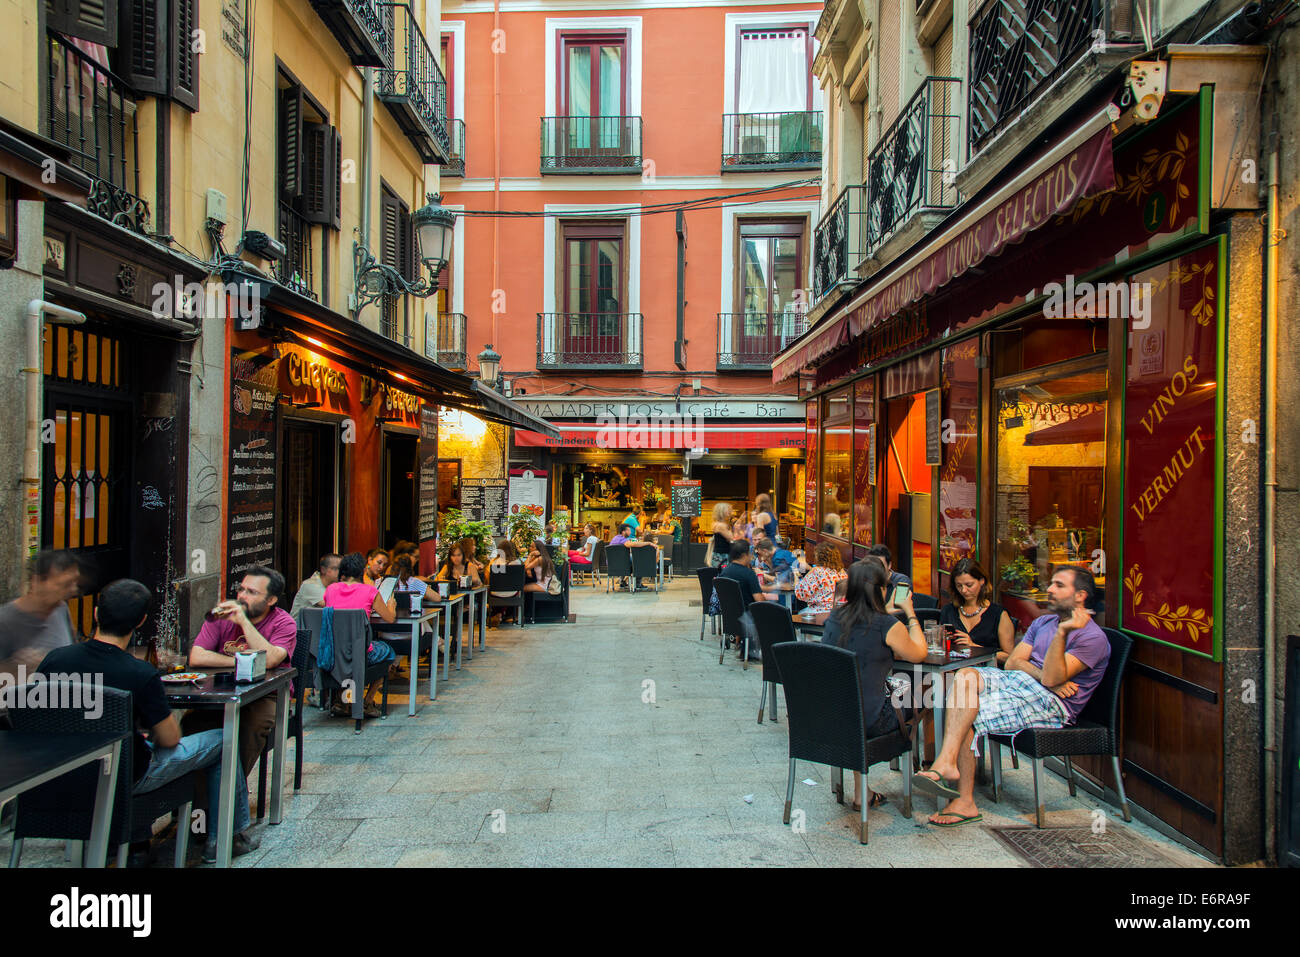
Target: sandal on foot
point(961, 819)
point(933, 786)
point(877, 799)
point(371, 711)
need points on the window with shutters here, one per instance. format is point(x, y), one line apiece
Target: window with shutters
point(309, 172)
point(396, 249)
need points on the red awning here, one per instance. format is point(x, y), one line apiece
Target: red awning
point(1047, 188)
point(670, 435)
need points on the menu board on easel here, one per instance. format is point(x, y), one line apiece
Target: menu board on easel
point(251, 498)
point(427, 522)
point(484, 500)
point(686, 498)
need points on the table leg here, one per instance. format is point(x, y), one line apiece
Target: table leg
point(105, 789)
point(433, 661)
point(460, 634)
point(415, 666)
point(446, 645)
point(482, 622)
point(281, 747)
point(230, 770)
point(471, 601)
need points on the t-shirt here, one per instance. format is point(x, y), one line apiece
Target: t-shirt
point(633, 521)
point(225, 637)
point(985, 632)
point(310, 593)
point(745, 576)
point(619, 539)
point(1089, 644)
point(124, 672)
point(351, 595)
point(898, 578)
point(591, 552)
point(26, 639)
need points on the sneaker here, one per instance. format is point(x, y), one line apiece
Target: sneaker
point(242, 844)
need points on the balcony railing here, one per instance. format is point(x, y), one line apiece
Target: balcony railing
point(295, 271)
point(771, 141)
point(1018, 47)
point(838, 241)
point(455, 165)
point(93, 113)
point(413, 86)
point(449, 342)
point(749, 341)
point(589, 340)
point(591, 144)
point(913, 167)
point(362, 27)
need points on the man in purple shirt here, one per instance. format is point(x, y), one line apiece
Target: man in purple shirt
point(253, 621)
point(1046, 683)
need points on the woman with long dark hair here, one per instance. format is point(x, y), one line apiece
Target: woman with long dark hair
point(539, 567)
point(861, 625)
point(975, 618)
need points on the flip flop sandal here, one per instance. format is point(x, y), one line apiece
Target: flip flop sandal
point(877, 799)
point(935, 787)
point(961, 819)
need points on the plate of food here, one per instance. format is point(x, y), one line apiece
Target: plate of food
point(183, 677)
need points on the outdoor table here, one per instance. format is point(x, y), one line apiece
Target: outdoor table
point(473, 599)
point(413, 623)
point(785, 594)
point(447, 606)
point(30, 760)
point(205, 694)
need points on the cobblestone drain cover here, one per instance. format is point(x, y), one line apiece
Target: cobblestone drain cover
point(1079, 847)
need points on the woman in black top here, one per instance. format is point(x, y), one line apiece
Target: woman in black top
point(722, 535)
point(977, 620)
point(862, 626)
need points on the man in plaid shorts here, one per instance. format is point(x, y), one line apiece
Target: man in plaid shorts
point(1047, 681)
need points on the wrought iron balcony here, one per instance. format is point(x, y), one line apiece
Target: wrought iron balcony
point(1019, 47)
point(609, 341)
point(362, 27)
point(838, 241)
point(455, 165)
point(771, 141)
point(591, 144)
point(92, 112)
point(749, 341)
point(295, 271)
point(913, 167)
point(413, 86)
point(448, 345)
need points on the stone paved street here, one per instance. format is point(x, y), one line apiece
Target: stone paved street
point(542, 752)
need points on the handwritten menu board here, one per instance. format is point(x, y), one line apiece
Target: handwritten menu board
point(686, 497)
point(484, 500)
point(252, 470)
point(933, 428)
point(427, 522)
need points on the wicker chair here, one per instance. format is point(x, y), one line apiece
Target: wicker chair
point(302, 664)
point(732, 601)
point(774, 625)
point(645, 565)
point(618, 559)
point(509, 579)
point(823, 701)
point(1096, 732)
point(706, 576)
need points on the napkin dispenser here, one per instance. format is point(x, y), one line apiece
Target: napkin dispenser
point(250, 666)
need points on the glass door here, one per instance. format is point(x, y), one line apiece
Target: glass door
point(908, 483)
point(593, 293)
point(308, 514)
point(594, 99)
point(770, 273)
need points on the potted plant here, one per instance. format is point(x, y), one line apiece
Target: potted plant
point(453, 526)
point(1020, 575)
point(523, 529)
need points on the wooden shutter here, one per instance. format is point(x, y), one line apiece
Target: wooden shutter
point(142, 39)
point(291, 142)
point(94, 20)
point(390, 212)
point(406, 236)
point(183, 79)
point(321, 174)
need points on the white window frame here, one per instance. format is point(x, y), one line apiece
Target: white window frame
point(755, 21)
point(457, 30)
point(773, 210)
point(551, 250)
point(566, 25)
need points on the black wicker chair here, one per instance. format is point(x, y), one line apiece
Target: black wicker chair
point(618, 560)
point(645, 565)
point(823, 703)
point(597, 561)
point(732, 601)
point(706, 576)
point(301, 662)
point(63, 809)
point(508, 579)
point(921, 600)
point(1096, 732)
point(774, 625)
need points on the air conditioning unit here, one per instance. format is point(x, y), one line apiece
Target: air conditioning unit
point(753, 145)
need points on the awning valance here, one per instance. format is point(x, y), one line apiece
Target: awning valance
point(667, 435)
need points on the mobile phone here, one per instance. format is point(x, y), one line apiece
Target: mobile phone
point(900, 593)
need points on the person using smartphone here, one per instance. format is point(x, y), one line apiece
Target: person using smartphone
point(972, 618)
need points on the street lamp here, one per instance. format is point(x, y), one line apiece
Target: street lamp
point(434, 229)
point(489, 364)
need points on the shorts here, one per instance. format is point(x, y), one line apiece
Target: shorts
point(1014, 700)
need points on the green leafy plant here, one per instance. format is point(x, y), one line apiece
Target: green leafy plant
point(524, 529)
point(1020, 574)
point(453, 526)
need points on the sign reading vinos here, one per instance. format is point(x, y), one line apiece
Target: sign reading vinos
point(1170, 451)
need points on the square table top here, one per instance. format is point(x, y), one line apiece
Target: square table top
point(27, 755)
point(204, 693)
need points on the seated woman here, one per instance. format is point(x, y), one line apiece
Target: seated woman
point(351, 592)
point(817, 588)
point(457, 566)
point(538, 569)
point(976, 619)
point(505, 555)
point(862, 626)
point(587, 553)
point(469, 547)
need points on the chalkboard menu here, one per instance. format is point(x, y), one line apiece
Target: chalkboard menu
point(251, 512)
point(933, 429)
point(484, 500)
point(427, 522)
point(686, 497)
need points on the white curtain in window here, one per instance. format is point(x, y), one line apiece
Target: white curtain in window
point(773, 74)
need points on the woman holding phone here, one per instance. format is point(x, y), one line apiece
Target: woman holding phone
point(973, 618)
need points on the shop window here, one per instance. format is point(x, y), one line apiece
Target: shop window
point(837, 465)
point(812, 501)
point(958, 477)
point(864, 460)
point(1051, 460)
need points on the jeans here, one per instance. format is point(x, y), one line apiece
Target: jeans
point(193, 753)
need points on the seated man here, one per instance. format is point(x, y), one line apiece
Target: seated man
point(882, 554)
point(38, 621)
point(164, 756)
point(764, 561)
point(1047, 682)
point(311, 593)
point(251, 622)
point(739, 569)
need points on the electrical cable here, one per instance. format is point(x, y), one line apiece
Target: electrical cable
point(702, 202)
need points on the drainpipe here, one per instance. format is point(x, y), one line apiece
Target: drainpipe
point(1272, 239)
point(496, 163)
point(367, 127)
point(32, 447)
